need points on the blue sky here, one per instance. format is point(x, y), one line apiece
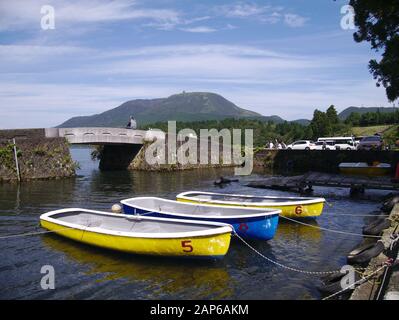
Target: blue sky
point(272, 57)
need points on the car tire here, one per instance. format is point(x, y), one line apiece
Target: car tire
point(307, 148)
point(289, 148)
point(348, 149)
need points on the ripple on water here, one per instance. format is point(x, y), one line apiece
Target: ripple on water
point(83, 272)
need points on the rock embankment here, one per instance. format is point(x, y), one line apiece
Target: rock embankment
point(38, 157)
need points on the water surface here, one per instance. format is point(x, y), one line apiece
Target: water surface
point(84, 272)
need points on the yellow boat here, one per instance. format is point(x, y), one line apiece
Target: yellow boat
point(363, 169)
point(140, 234)
point(291, 207)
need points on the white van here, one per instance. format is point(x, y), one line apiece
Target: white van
point(341, 143)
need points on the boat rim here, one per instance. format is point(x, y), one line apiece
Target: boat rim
point(363, 165)
point(261, 212)
point(295, 200)
point(221, 228)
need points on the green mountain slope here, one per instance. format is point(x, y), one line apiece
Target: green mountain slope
point(195, 106)
point(346, 113)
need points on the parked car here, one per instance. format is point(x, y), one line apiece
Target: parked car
point(330, 145)
point(371, 143)
point(301, 145)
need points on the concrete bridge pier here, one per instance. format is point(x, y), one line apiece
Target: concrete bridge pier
point(118, 157)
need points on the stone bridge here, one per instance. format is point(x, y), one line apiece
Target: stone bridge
point(103, 136)
point(120, 145)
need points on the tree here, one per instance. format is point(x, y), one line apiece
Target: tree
point(309, 133)
point(378, 23)
point(320, 124)
point(354, 119)
point(332, 115)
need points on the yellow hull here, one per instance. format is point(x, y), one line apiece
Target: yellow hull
point(373, 172)
point(198, 246)
point(290, 211)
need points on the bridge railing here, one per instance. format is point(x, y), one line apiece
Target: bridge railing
point(98, 135)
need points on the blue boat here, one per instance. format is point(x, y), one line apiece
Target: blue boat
point(260, 224)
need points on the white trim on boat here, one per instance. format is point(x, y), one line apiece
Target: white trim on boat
point(220, 227)
point(293, 200)
point(261, 212)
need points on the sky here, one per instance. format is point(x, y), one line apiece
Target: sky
point(274, 57)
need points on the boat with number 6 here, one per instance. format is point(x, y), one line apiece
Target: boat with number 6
point(364, 169)
point(251, 223)
point(140, 234)
point(291, 207)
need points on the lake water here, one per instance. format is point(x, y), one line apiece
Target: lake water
point(84, 272)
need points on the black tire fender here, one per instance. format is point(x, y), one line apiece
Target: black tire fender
point(363, 255)
point(375, 228)
point(332, 284)
point(388, 205)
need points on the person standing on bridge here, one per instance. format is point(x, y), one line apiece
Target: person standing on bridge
point(132, 124)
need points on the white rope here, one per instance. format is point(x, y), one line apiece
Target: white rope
point(51, 231)
point(354, 215)
point(282, 265)
point(362, 280)
point(32, 233)
point(348, 214)
point(330, 230)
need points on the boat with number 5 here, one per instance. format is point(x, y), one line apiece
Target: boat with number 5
point(251, 223)
point(291, 207)
point(140, 234)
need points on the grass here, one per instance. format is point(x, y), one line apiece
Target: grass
point(369, 131)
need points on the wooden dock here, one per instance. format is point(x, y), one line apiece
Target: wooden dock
point(305, 182)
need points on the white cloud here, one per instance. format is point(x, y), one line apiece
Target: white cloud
point(243, 10)
point(294, 20)
point(262, 13)
point(46, 105)
point(66, 81)
point(199, 29)
point(25, 14)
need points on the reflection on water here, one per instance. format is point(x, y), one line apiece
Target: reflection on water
point(83, 272)
point(289, 229)
point(168, 277)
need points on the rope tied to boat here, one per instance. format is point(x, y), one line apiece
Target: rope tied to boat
point(33, 233)
point(330, 230)
point(349, 214)
point(386, 264)
point(282, 265)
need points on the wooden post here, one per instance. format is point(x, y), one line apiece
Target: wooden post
point(16, 160)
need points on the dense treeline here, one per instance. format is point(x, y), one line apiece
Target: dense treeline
point(263, 132)
point(372, 118)
point(323, 124)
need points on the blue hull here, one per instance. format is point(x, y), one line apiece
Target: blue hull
point(259, 228)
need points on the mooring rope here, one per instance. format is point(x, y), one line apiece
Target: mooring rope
point(282, 265)
point(362, 280)
point(349, 214)
point(32, 233)
point(330, 230)
point(354, 215)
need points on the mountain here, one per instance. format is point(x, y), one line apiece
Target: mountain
point(304, 122)
point(346, 113)
point(275, 119)
point(193, 106)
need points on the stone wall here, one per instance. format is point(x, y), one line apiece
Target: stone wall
point(132, 157)
point(300, 161)
point(38, 157)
